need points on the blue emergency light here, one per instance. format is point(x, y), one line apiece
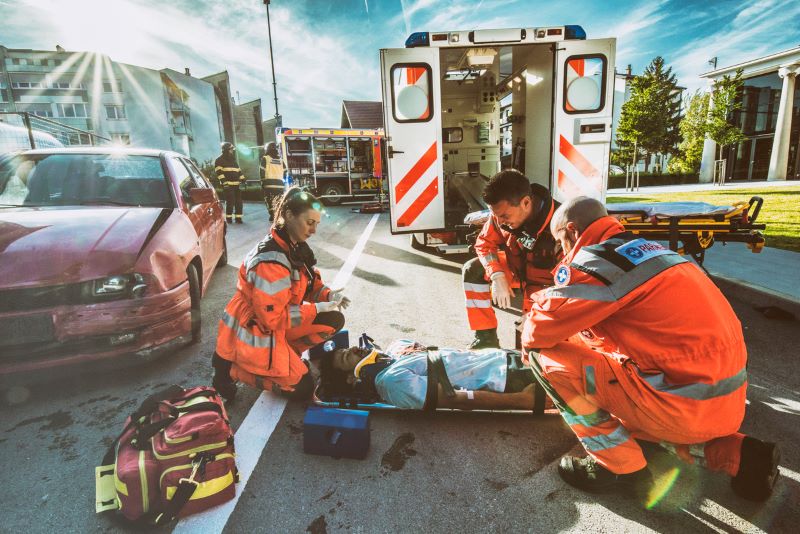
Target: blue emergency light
point(574, 32)
point(418, 39)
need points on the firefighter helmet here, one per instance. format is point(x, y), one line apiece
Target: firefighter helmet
point(271, 150)
point(227, 146)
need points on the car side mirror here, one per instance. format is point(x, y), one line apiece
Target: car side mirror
point(201, 195)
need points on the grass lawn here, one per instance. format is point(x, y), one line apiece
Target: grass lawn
point(780, 212)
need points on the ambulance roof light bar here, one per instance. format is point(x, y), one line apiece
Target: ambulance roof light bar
point(487, 37)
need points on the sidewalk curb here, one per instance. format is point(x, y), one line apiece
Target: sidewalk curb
point(755, 294)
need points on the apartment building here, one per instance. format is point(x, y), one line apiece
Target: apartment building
point(128, 104)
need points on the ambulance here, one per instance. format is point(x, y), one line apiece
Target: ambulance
point(460, 106)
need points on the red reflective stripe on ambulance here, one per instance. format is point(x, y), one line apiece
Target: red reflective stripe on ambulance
point(579, 161)
point(420, 204)
point(578, 66)
point(566, 186)
point(413, 74)
point(415, 173)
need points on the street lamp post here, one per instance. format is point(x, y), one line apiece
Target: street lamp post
point(272, 65)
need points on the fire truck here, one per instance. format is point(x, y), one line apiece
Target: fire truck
point(460, 106)
point(335, 164)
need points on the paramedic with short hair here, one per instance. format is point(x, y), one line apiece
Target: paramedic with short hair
point(635, 342)
point(519, 226)
point(280, 309)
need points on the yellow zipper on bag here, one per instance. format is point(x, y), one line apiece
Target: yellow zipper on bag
point(143, 478)
point(188, 466)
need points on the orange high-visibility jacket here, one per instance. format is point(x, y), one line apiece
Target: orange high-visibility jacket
point(647, 306)
point(275, 291)
point(530, 250)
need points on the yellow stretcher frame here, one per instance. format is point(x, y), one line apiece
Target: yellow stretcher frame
point(694, 234)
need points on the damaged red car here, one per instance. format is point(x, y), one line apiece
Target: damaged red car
point(103, 252)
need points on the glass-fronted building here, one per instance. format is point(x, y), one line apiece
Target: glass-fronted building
point(769, 118)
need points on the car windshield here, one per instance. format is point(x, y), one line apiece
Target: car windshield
point(83, 179)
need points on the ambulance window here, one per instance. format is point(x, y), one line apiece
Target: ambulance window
point(412, 92)
point(584, 83)
point(452, 135)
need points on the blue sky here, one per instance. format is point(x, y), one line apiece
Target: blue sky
point(327, 51)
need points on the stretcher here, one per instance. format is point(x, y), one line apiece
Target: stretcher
point(691, 228)
point(334, 391)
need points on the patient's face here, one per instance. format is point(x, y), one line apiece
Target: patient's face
point(347, 359)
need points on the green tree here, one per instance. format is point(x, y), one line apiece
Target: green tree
point(725, 100)
point(693, 129)
point(649, 120)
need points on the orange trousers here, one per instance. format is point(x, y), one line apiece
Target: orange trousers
point(300, 339)
point(608, 420)
point(478, 296)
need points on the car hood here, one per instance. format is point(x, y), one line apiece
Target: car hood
point(48, 246)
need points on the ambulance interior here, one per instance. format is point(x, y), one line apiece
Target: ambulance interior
point(493, 100)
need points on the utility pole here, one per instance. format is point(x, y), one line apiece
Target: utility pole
point(272, 65)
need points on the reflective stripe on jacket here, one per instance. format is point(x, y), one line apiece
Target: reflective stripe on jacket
point(645, 305)
point(275, 291)
point(531, 262)
point(228, 171)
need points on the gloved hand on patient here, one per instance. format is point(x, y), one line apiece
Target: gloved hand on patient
point(501, 291)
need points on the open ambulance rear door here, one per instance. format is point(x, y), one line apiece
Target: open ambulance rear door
point(412, 101)
point(584, 92)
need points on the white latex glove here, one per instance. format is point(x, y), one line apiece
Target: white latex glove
point(326, 306)
point(337, 297)
point(501, 291)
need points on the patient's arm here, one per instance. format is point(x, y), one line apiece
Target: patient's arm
point(488, 400)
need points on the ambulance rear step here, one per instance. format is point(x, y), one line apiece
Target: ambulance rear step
point(452, 249)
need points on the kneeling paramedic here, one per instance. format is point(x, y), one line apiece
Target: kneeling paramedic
point(518, 226)
point(280, 309)
point(635, 342)
point(410, 376)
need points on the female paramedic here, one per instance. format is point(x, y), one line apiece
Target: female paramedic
point(280, 307)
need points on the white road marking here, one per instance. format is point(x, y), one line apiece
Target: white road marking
point(257, 427)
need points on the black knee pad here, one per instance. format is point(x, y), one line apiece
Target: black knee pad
point(334, 319)
point(473, 271)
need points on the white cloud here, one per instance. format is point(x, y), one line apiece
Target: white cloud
point(756, 30)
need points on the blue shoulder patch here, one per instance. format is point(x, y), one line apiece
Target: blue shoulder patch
point(562, 276)
point(640, 250)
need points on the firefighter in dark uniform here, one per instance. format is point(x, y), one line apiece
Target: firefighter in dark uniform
point(230, 176)
point(271, 177)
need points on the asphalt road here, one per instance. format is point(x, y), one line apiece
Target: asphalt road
point(441, 472)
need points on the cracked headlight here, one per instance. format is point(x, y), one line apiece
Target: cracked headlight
point(115, 287)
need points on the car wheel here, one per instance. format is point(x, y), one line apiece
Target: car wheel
point(333, 193)
point(416, 244)
point(194, 293)
point(223, 260)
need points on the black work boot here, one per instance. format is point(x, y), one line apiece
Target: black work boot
point(758, 470)
point(588, 475)
point(485, 339)
point(222, 380)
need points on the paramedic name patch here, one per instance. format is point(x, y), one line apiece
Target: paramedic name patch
point(562, 276)
point(640, 250)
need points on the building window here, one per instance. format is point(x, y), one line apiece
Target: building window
point(79, 139)
point(16, 61)
point(57, 62)
point(42, 113)
point(27, 85)
point(72, 111)
point(115, 112)
point(60, 85)
point(112, 87)
point(121, 138)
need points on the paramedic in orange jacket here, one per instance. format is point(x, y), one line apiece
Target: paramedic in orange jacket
point(280, 308)
point(519, 227)
point(634, 341)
